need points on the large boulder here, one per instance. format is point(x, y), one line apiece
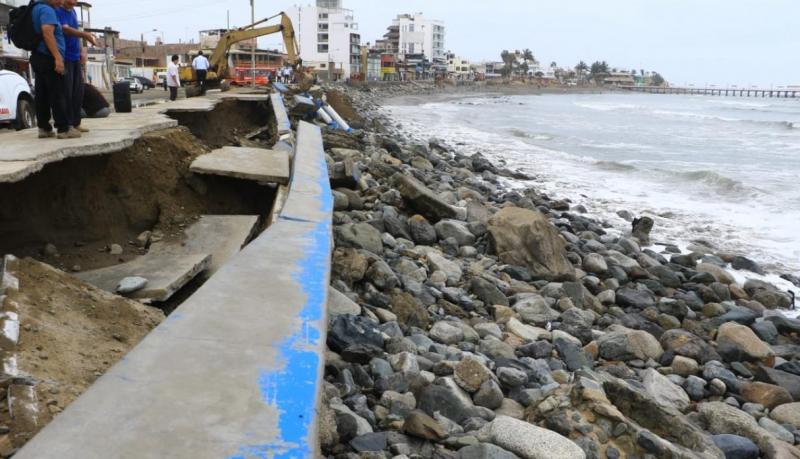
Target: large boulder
point(722, 418)
point(449, 400)
point(409, 311)
point(359, 236)
point(788, 413)
point(624, 344)
point(522, 237)
point(664, 392)
point(422, 199)
point(765, 394)
point(767, 294)
point(736, 447)
point(457, 230)
point(348, 330)
point(531, 442)
point(745, 341)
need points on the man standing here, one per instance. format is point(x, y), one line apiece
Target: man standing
point(200, 65)
point(73, 61)
point(173, 78)
point(48, 68)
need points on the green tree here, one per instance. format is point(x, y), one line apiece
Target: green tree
point(508, 59)
point(599, 71)
point(658, 80)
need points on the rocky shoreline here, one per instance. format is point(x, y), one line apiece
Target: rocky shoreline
point(468, 320)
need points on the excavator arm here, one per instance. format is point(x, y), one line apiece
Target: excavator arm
point(219, 59)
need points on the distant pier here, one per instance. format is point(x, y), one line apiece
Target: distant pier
point(730, 92)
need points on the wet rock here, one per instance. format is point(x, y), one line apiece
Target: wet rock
point(724, 419)
point(776, 430)
point(448, 399)
point(382, 276)
point(446, 333)
point(453, 271)
point(746, 264)
point(340, 304)
point(484, 451)
point(594, 263)
point(470, 374)
point(745, 341)
point(625, 344)
point(457, 230)
point(638, 297)
point(526, 238)
point(641, 228)
point(719, 273)
point(375, 441)
point(348, 330)
point(489, 395)
point(736, 447)
point(788, 381)
point(682, 342)
point(422, 199)
point(420, 425)
point(664, 391)
point(765, 394)
point(359, 236)
point(409, 311)
point(767, 294)
point(788, 413)
point(487, 292)
point(531, 442)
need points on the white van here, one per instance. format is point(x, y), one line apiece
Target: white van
point(16, 101)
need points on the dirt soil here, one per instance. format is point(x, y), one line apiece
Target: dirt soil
point(70, 334)
point(343, 105)
point(84, 205)
point(227, 124)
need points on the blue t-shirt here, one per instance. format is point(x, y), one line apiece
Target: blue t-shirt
point(44, 14)
point(73, 49)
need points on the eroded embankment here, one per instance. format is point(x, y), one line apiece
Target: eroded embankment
point(81, 214)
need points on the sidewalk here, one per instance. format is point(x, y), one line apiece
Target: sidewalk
point(23, 154)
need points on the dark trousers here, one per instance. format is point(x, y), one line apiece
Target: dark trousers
point(50, 96)
point(173, 92)
point(201, 80)
point(73, 77)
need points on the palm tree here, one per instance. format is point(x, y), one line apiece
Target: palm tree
point(508, 60)
point(527, 55)
point(581, 68)
point(553, 65)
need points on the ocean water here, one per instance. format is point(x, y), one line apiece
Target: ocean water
point(719, 169)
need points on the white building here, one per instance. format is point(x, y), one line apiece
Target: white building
point(458, 67)
point(419, 35)
point(328, 37)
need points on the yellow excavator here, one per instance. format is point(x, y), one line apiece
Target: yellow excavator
point(218, 61)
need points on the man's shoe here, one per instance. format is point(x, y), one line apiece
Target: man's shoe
point(46, 134)
point(71, 134)
point(81, 128)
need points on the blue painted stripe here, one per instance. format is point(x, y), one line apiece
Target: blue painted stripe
point(293, 389)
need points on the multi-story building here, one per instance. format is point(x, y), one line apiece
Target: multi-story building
point(458, 67)
point(328, 37)
point(415, 34)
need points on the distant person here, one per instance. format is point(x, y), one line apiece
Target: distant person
point(200, 65)
point(173, 78)
point(73, 65)
point(94, 104)
point(48, 69)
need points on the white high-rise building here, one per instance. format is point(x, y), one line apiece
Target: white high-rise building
point(419, 35)
point(328, 37)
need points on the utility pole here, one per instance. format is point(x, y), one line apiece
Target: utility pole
point(255, 40)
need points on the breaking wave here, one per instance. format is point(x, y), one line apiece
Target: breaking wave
point(519, 133)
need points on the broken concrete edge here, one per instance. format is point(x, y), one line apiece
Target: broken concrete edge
point(282, 122)
point(189, 388)
point(23, 404)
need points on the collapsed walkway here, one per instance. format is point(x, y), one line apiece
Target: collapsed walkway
point(234, 370)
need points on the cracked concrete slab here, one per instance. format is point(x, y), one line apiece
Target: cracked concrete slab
point(165, 272)
point(23, 154)
point(257, 164)
point(223, 236)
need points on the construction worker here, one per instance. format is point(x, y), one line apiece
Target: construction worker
point(200, 65)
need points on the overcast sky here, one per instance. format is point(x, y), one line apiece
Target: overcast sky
point(689, 41)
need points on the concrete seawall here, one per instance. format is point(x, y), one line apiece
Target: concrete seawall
point(234, 372)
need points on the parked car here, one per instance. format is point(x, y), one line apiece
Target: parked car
point(147, 83)
point(136, 86)
point(16, 101)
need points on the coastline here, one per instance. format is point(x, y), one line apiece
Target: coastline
point(448, 327)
